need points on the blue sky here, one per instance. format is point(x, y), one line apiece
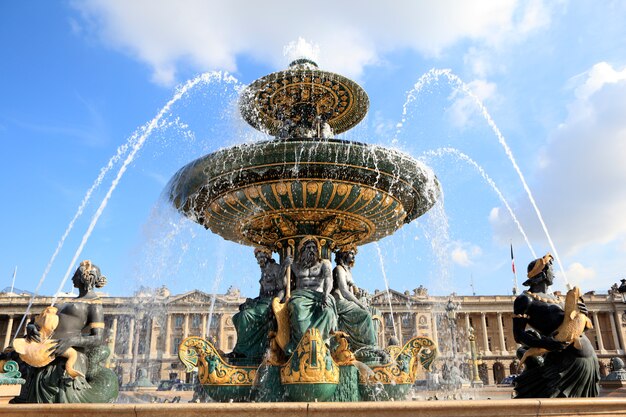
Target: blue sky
point(79, 78)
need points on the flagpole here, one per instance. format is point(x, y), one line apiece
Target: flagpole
point(514, 271)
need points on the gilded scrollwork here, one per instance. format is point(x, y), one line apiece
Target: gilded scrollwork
point(311, 362)
point(212, 368)
point(404, 366)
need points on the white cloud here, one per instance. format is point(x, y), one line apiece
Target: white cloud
point(464, 254)
point(580, 183)
point(579, 275)
point(350, 34)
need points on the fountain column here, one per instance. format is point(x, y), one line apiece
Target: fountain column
point(7, 337)
point(618, 347)
point(596, 325)
point(168, 335)
point(618, 323)
point(501, 335)
point(483, 320)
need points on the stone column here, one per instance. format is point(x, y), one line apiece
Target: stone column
point(434, 327)
point(222, 339)
point(501, 335)
point(186, 326)
point(618, 322)
point(399, 328)
point(618, 347)
point(483, 319)
point(113, 337)
point(596, 325)
point(7, 337)
point(131, 338)
point(467, 330)
point(152, 353)
point(204, 319)
point(168, 335)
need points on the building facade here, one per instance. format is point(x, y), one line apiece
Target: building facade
point(144, 331)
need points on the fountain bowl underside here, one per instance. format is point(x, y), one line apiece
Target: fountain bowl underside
point(345, 192)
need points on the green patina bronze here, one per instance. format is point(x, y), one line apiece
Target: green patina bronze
point(11, 374)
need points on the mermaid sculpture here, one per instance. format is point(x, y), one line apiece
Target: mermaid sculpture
point(65, 348)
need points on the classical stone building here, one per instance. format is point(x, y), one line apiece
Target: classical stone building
point(146, 329)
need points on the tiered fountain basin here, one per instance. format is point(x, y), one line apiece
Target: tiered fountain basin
point(262, 194)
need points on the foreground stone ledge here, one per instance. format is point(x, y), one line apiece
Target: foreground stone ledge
point(482, 408)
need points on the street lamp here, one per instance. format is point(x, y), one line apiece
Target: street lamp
point(476, 381)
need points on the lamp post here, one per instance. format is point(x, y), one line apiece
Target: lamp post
point(476, 381)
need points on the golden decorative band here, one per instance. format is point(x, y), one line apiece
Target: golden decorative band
point(521, 316)
point(96, 325)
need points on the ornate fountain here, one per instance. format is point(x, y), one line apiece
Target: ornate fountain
point(273, 194)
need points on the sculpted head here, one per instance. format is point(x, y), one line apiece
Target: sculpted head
point(309, 251)
point(88, 276)
point(263, 256)
point(540, 270)
point(346, 255)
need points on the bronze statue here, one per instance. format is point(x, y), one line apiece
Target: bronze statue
point(567, 369)
point(354, 317)
point(255, 320)
point(311, 304)
point(76, 335)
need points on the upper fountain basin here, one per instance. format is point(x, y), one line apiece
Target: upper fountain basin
point(344, 192)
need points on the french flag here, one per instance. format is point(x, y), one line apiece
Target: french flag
point(512, 259)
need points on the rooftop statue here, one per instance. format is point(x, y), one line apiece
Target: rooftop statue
point(570, 366)
point(74, 373)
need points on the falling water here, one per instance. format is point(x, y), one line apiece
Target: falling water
point(434, 75)
point(147, 130)
point(382, 268)
point(463, 157)
point(219, 275)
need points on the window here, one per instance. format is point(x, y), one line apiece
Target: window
point(178, 321)
point(486, 321)
point(195, 321)
point(489, 344)
point(177, 341)
point(406, 320)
